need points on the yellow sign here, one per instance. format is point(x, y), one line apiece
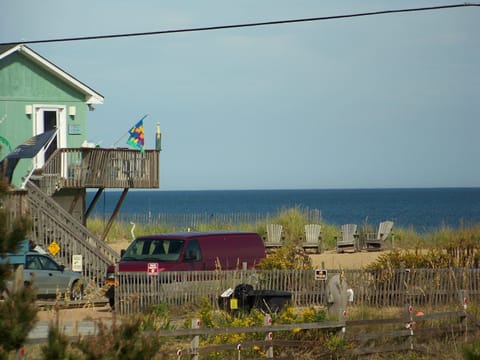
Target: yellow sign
point(233, 304)
point(54, 248)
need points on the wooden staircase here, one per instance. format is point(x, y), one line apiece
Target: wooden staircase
point(50, 222)
point(52, 194)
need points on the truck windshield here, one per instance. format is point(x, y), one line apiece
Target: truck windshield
point(154, 249)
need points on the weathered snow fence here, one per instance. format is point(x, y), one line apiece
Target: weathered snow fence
point(137, 292)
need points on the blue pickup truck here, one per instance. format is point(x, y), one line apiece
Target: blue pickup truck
point(44, 273)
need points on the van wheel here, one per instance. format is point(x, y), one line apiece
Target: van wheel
point(110, 295)
point(111, 302)
point(76, 292)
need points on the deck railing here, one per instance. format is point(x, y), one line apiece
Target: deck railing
point(101, 168)
point(16, 203)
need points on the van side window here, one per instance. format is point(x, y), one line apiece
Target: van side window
point(157, 247)
point(193, 251)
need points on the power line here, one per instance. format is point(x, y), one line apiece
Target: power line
point(233, 26)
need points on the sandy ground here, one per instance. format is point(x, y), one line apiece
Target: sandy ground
point(331, 260)
point(327, 260)
point(75, 315)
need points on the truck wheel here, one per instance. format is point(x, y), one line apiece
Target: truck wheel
point(76, 292)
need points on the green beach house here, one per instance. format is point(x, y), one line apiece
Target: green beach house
point(40, 100)
point(36, 96)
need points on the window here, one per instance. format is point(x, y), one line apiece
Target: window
point(33, 263)
point(39, 262)
point(155, 249)
point(193, 251)
point(49, 264)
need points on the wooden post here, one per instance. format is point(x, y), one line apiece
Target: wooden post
point(114, 214)
point(92, 204)
point(75, 328)
point(116, 295)
point(402, 286)
point(464, 303)
point(409, 324)
point(20, 354)
point(343, 316)
point(268, 337)
point(195, 343)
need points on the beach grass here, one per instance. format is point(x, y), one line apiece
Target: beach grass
point(293, 221)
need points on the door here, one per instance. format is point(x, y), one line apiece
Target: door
point(49, 117)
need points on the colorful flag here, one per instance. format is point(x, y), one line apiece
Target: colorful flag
point(137, 138)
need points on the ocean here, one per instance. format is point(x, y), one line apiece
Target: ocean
point(424, 210)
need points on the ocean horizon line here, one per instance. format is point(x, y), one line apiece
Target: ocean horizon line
point(296, 189)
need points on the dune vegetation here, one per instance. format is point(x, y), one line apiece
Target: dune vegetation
point(440, 248)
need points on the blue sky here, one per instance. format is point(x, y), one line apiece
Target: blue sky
point(380, 101)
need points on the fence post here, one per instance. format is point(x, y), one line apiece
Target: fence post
point(409, 325)
point(464, 303)
point(20, 354)
point(195, 343)
point(179, 354)
point(117, 305)
point(268, 337)
point(343, 316)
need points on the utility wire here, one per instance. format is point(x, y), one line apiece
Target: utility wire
point(233, 26)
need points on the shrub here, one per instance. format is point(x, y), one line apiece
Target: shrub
point(471, 351)
point(287, 257)
point(125, 341)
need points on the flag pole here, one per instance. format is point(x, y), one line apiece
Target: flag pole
point(127, 132)
point(120, 138)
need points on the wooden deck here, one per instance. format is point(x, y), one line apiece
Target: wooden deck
point(101, 168)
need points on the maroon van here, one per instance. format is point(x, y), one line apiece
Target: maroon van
point(190, 251)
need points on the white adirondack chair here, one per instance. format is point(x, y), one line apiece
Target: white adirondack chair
point(374, 242)
point(274, 236)
point(348, 240)
point(313, 238)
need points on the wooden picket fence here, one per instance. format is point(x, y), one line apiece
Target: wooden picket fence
point(139, 291)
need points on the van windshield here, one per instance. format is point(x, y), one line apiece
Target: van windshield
point(154, 249)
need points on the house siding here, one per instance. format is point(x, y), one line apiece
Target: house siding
point(22, 83)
